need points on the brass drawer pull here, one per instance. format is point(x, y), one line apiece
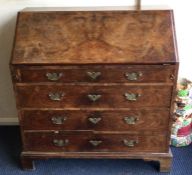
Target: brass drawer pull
point(130, 143)
point(60, 143)
point(130, 120)
point(133, 76)
point(131, 96)
point(94, 75)
point(58, 120)
point(95, 142)
point(54, 76)
point(94, 120)
point(93, 97)
point(58, 96)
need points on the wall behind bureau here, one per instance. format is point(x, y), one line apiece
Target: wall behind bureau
point(8, 12)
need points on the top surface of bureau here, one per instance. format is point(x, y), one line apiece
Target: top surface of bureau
point(94, 37)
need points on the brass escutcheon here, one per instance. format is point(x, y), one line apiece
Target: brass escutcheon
point(54, 76)
point(57, 96)
point(94, 97)
point(133, 76)
point(130, 143)
point(95, 142)
point(94, 120)
point(131, 120)
point(131, 96)
point(60, 142)
point(58, 120)
point(94, 75)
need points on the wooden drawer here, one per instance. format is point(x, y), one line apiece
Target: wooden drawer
point(103, 96)
point(106, 120)
point(100, 74)
point(88, 142)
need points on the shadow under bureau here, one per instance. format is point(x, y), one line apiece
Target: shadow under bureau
point(95, 84)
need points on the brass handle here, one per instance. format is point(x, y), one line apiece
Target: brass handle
point(54, 76)
point(131, 96)
point(133, 76)
point(94, 75)
point(130, 143)
point(130, 120)
point(94, 120)
point(58, 120)
point(60, 142)
point(58, 96)
point(93, 97)
point(95, 142)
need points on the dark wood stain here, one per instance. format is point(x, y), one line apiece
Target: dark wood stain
point(146, 120)
point(77, 96)
point(81, 142)
point(94, 37)
point(107, 74)
point(109, 45)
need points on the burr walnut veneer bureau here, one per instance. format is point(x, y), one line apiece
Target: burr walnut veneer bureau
point(95, 84)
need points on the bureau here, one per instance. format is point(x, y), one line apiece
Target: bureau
point(95, 83)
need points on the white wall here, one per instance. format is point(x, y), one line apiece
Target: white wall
point(9, 9)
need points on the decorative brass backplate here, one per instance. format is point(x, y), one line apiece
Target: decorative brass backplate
point(58, 120)
point(95, 142)
point(130, 143)
point(94, 75)
point(94, 120)
point(54, 76)
point(133, 76)
point(60, 142)
point(57, 96)
point(94, 97)
point(131, 96)
point(131, 120)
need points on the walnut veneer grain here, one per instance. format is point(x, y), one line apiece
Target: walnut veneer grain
point(95, 84)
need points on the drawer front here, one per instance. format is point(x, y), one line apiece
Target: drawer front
point(88, 142)
point(118, 120)
point(100, 74)
point(79, 96)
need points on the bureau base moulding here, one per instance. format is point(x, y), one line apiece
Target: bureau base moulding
point(164, 159)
